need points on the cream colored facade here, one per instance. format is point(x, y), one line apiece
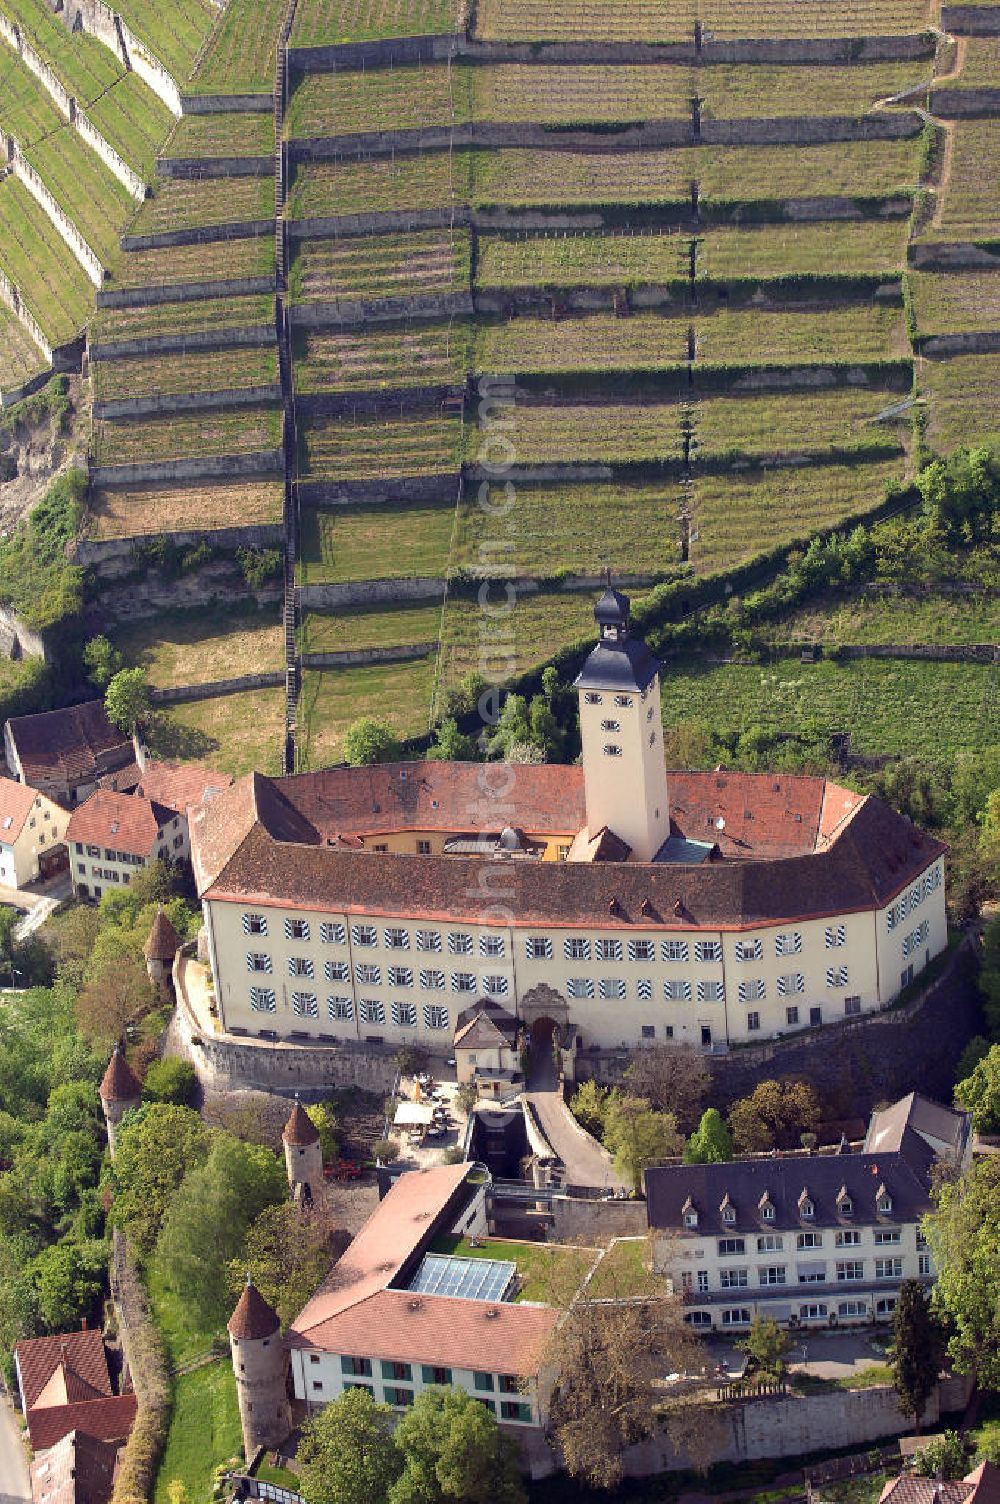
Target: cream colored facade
point(42, 831)
point(319, 1377)
point(98, 869)
point(624, 772)
point(336, 975)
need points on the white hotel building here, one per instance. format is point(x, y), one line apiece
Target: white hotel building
point(616, 901)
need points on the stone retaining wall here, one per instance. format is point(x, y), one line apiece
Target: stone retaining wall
point(198, 339)
point(150, 69)
point(208, 467)
point(216, 167)
point(225, 104)
point(589, 1223)
point(359, 657)
point(115, 164)
point(17, 640)
point(182, 693)
point(368, 593)
point(969, 652)
point(182, 402)
point(60, 222)
point(950, 103)
point(328, 493)
point(375, 400)
point(114, 557)
point(374, 54)
point(198, 235)
point(182, 292)
point(944, 346)
point(379, 310)
point(971, 20)
point(385, 223)
point(953, 256)
point(10, 295)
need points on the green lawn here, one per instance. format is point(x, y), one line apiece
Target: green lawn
point(964, 399)
point(240, 58)
point(197, 647)
point(204, 1431)
point(331, 699)
point(236, 733)
point(550, 1272)
point(374, 542)
point(624, 1271)
point(386, 626)
point(900, 618)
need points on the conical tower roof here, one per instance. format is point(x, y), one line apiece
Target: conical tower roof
point(163, 942)
point(253, 1318)
point(300, 1130)
point(120, 1083)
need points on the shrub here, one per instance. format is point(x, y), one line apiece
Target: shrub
point(386, 1150)
point(171, 1080)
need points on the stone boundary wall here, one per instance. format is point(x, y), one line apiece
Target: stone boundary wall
point(589, 1223)
point(970, 652)
point(10, 396)
point(380, 310)
point(198, 339)
point(951, 103)
point(225, 104)
point(208, 467)
point(60, 222)
point(971, 20)
point(105, 554)
point(182, 402)
point(36, 65)
point(359, 657)
point(181, 693)
point(369, 593)
point(216, 167)
point(943, 346)
point(86, 129)
point(10, 295)
point(374, 54)
point(182, 292)
point(198, 235)
point(14, 633)
point(954, 256)
point(386, 222)
point(539, 298)
point(374, 400)
point(110, 28)
point(401, 488)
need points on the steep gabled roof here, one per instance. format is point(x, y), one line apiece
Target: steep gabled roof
point(163, 941)
point(928, 1119)
point(179, 785)
point(74, 745)
point(252, 1317)
point(119, 1083)
point(120, 822)
point(106, 1419)
point(65, 1387)
point(16, 800)
point(38, 1358)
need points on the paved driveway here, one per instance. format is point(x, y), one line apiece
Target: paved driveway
point(587, 1162)
point(15, 1485)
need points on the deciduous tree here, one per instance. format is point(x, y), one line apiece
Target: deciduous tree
point(127, 700)
point(711, 1143)
point(638, 1136)
point(347, 1454)
point(117, 994)
point(774, 1115)
point(766, 1343)
point(369, 741)
point(979, 1093)
point(156, 1147)
point(674, 1079)
point(453, 1450)
point(917, 1349)
point(964, 1233)
point(287, 1255)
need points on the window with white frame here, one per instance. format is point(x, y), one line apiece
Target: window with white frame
point(305, 1005)
point(734, 1279)
point(296, 929)
point(923, 1263)
point(495, 986)
point(460, 944)
point(852, 1308)
point(609, 950)
point(847, 1237)
point(576, 949)
point(735, 1316)
point(708, 950)
point(491, 945)
point(364, 934)
point(772, 1274)
point(753, 990)
point(333, 934)
point(580, 987)
point(300, 966)
point(340, 1009)
point(835, 936)
point(791, 983)
point(836, 976)
point(788, 944)
point(435, 1017)
point(730, 1246)
point(428, 940)
point(809, 1240)
point(257, 960)
point(433, 981)
point(644, 989)
point(750, 950)
point(538, 948)
point(612, 988)
point(336, 971)
point(711, 992)
point(263, 1000)
point(371, 1010)
point(850, 1270)
point(814, 1310)
point(400, 976)
point(677, 990)
point(255, 924)
point(367, 974)
point(885, 1236)
point(396, 939)
point(674, 950)
point(889, 1268)
point(463, 981)
point(642, 950)
point(404, 1015)
point(770, 1242)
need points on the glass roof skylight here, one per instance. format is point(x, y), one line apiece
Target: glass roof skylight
point(465, 1279)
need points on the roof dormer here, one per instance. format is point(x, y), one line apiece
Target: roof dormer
point(689, 1214)
point(766, 1207)
point(845, 1206)
point(807, 1207)
point(727, 1210)
point(883, 1201)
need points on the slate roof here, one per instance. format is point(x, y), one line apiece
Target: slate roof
point(38, 1358)
point(252, 1317)
point(121, 822)
point(74, 745)
point(904, 1173)
point(485, 1025)
point(16, 801)
point(119, 1083)
point(928, 1119)
point(79, 1469)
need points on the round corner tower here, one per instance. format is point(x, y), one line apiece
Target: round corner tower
point(259, 1364)
point(303, 1150)
point(120, 1091)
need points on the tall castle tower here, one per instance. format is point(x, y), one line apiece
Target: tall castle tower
point(625, 781)
point(119, 1092)
point(259, 1363)
point(303, 1154)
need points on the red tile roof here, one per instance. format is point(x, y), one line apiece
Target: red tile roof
point(178, 785)
point(79, 1469)
point(65, 1387)
point(39, 1357)
point(981, 1486)
point(300, 1129)
point(252, 1317)
point(119, 1083)
point(163, 941)
point(121, 822)
point(73, 746)
point(107, 1419)
point(16, 800)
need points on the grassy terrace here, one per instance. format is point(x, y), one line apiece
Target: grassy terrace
point(561, 260)
point(982, 65)
point(194, 371)
point(735, 516)
point(964, 398)
point(233, 134)
point(399, 693)
point(20, 357)
point(789, 250)
point(972, 196)
point(539, 623)
point(88, 192)
point(134, 121)
point(957, 302)
point(144, 511)
point(204, 1430)
point(874, 618)
point(547, 1272)
point(201, 314)
point(578, 20)
point(338, 449)
point(82, 64)
point(26, 111)
point(379, 99)
point(240, 57)
point(828, 18)
point(39, 262)
point(780, 422)
point(586, 432)
point(374, 542)
point(201, 647)
point(417, 355)
point(320, 22)
point(391, 266)
point(764, 92)
point(173, 33)
point(190, 203)
point(372, 185)
point(386, 626)
point(550, 528)
point(929, 711)
point(625, 1271)
point(237, 733)
point(217, 260)
point(845, 333)
point(239, 430)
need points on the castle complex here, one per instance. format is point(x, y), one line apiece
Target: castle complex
point(612, 901)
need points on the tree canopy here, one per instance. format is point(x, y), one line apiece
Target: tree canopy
point(917, 1349)
point(964, 1233)
point(369, 740)
point(711, 1143)
point(637, 1136)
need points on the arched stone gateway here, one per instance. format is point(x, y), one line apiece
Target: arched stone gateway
point(544, 1014)
point(544, 1033)
point(544, 1002)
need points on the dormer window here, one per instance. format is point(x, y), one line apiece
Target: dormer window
point(689, 1213)
point(728, 1210)
point(883, 1202)
point(807, 1209)
point(845, 1206)
point(766, 1208)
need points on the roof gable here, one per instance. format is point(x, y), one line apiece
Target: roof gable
point(38, 1357)
point(16, 800)
point(74, 745)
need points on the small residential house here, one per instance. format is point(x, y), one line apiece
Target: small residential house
point(809, 1239)
point(111, 836)
point(79, 1469)
point(32, 834)
point(395, 1317)
point(981, 1486)
point(64, 753)
point(485, 1046)
point(65, 1386)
